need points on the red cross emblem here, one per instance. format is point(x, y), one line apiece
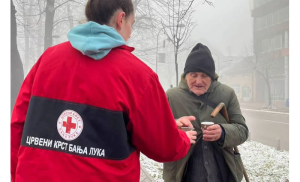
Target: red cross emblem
point(69, 125)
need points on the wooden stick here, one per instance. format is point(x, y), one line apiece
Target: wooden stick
point(217, 110)
point(221, 107)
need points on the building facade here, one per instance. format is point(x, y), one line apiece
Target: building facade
point(242, 79)
point(271, 47)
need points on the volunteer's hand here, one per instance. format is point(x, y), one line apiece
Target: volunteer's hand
point(192, 136)
point(212, 133)
point(185, 121)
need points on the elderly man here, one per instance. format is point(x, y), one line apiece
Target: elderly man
point(212, 158)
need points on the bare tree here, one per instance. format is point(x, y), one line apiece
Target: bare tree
point(40, 32)
point(26, 21)
point(155, 17)
point(42, 23)
point(17, 73)
point(50, 11)
point(70, 17)
point(58, 16)
point(178, 25)
point(144, 31)
point(50, 23)
point(265, 62)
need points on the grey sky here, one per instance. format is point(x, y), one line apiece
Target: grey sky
point(227, 24)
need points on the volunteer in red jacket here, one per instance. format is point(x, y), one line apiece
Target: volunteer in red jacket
point(88, 107)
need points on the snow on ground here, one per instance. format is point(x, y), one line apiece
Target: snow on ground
point(263, 163)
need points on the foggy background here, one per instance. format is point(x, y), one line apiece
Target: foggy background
point(249, 41)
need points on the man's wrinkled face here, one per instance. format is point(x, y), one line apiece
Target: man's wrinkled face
point(198, 82)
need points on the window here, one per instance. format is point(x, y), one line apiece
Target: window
point(246, 93)
point(283, 14)
point(286, 14)
point(267, 42)
point(279, 16)
point(261, 23)
point(276, 67)
point(277, 89)
point(278, 42)
point(236, 88)
point(265, 45)
point(286, 39)
point(272, 44)
point(286, 73)
point(275, 17)
point(258, 26)
point(270, 19)
point(246, 75)
point(286, 64)
point(258, 3)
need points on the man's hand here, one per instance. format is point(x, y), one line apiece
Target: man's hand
point(212, 133)
point(185, 121)
point(192, 136)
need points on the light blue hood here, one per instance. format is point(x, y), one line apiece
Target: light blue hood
point(95, 40)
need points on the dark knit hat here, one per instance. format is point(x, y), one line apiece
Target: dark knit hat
point(200, 60)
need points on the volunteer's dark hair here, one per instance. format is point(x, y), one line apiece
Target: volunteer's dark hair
point(101, 11)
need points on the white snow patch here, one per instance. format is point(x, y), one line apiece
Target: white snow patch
point(263, 163)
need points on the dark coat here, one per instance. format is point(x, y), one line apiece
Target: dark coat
point(185, 103)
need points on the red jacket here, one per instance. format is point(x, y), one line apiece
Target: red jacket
point(88, 120)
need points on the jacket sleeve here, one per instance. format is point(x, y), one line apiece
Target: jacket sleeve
point(236, 132)
point(18, 118)
point(153, 128)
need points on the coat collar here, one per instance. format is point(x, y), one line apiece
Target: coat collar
point(126, 47)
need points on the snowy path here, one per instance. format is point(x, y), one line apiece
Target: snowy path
point(263, 163)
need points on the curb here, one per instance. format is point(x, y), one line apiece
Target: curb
point(267, 111)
